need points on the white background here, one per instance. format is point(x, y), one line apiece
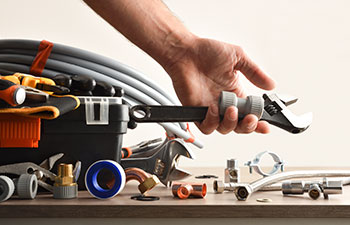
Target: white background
point(303, 44)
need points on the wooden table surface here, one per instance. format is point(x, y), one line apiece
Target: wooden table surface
point(212, 206)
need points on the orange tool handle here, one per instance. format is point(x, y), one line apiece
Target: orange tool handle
point(11, 78)
point(33, 81)
point(11, 93)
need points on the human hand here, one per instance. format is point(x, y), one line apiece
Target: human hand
point(207, 68)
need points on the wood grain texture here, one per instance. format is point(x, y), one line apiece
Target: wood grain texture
point(212, 206)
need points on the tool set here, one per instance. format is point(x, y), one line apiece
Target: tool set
point(85, 111)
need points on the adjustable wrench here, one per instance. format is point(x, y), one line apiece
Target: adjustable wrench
point(271, 108)
point(164, 161)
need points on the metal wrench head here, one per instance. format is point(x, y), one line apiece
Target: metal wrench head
point(50, 162)
point(287, 99)
point(169, 158)
point(277, 113)
point(164, 162)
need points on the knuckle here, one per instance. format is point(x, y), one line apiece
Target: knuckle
point(207, 128)
point(239, 49)
point(223, 131)
point(206, 131)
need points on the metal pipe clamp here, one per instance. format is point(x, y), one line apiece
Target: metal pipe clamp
point(254, 164)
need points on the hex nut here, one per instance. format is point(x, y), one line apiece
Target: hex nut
point(242, 193)
point(148, 184)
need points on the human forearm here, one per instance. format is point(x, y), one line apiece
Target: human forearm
point(149, 24)
point(199, 68)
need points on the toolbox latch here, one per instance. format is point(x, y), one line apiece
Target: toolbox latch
point(96, 112)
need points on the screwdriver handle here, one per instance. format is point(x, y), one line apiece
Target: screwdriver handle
point(11, 93)
point(250, 105)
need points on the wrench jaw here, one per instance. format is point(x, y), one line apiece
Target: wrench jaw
point(164, 161)
point(171, 155)
point(287, 99)
point(277, 113)
point(177, 174)
point(50, 162)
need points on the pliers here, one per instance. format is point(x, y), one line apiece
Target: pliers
point(42, 171)
point(30, 168)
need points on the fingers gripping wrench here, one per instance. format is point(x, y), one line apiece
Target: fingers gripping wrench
point(271, 108)
point(164, 162)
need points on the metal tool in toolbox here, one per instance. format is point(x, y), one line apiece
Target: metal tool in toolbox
point(42, 171)
point(164, 161)
point(271, 108)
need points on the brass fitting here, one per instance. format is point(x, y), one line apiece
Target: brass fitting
point(64, 186)
point(185, 190)
point(148, 184)
point(64, 175)
point(146, 180)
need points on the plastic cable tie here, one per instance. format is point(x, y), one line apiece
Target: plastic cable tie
point(39, 62)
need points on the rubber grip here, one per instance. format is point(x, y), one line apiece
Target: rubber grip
point(250, 105)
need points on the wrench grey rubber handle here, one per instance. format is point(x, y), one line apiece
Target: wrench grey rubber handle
point(250, 105)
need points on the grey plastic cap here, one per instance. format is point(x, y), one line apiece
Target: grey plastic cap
point(65, 192)
point(7, 187)
point(27, 186)
point(255, 105)
point(227, 99)
point(251, 105)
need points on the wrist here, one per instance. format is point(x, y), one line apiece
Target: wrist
point(176, 46)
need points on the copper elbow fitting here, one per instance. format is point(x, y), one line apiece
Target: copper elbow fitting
point(185, 190)
point(146, 180)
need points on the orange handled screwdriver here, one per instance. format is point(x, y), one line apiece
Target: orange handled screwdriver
point(11, 93)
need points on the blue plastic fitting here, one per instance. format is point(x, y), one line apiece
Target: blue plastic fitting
point(94, 187)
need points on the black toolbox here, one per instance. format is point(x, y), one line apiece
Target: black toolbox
point(92, 132)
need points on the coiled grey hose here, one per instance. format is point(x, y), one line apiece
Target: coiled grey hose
point(31, 46)
point(85, 55)
point(17, 55)
point(77, 66)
